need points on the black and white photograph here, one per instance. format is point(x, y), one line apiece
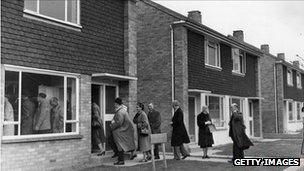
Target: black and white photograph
point(160, 85)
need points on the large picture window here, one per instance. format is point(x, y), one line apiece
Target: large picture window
point(212, 54)
point(215, 105)
point(39, 103)
point(62, 10)
point(239, 61)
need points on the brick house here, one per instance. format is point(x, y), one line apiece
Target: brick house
point(180, 58)
point(282, 92)
point(75, 51)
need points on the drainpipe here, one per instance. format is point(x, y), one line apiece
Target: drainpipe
point(172, 64)
point(275, 98)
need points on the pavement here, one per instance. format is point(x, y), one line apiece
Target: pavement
point(276, 148)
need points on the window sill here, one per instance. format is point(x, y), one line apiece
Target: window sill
point(35, 16)
point(213, 67)
point(36, 139)
point(238, 74)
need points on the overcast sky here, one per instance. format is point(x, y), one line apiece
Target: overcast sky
point(277, 23)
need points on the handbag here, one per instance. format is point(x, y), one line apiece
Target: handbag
point(144, 130)
point(211, 127)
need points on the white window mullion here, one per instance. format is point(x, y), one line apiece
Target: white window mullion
point(64, 103)
point(19, 103)
point(66, 10)
point(78, 12)
point(38, 6)
point(77, 105)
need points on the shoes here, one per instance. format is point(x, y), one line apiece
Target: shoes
point(184, 157)
point(119, 163)
point(156, 157)
point(115, 155)
point(206, 157)
point(102, 153)
point(149, 158)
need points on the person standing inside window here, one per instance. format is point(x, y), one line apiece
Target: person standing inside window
point(42, 117)
point(205, 137)
point(56, 116)
point(8, 116)
point(27, 114)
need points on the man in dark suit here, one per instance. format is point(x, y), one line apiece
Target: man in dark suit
point(237, 133)
point(179, 133)
point(155, 122)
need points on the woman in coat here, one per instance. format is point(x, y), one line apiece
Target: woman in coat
point(122, 130)
point(205, 137)
point(8, 116)
point(98, 135)
point(56, 116)
point(144, 141)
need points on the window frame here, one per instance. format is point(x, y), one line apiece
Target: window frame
point(299, 82)
point(289, 78)
point(20, 69)
point(222, 114)
point(298, 112)
point(242, 64)
point(217, 47)
point(65, 21)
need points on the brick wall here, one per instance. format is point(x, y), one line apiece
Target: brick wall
point(292, 92)
point(268, 93)
point(219, 82)
point(49, 155)
point(280, 97)
point(98, 47)
point(154, 61)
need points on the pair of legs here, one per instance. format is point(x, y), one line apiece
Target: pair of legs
point(205, 150)
point(238, 153)
point(101, 148)
point(180, 150)
point(146, 156)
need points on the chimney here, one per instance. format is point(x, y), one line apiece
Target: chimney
point(195, 16)
point(265, 48)
point(281, 56)
point(296, 64)
point(238, 34)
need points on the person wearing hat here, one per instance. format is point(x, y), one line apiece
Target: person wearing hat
point(42, 123)
point(237, 133)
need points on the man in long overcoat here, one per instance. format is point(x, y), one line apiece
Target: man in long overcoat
point(123, 131)
point(179, 133)
point(237, 133)
point(155, 122)
point(28, 109)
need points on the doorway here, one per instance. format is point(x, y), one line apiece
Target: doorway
point(104, 95)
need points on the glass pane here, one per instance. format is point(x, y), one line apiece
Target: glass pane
point(55, 9)
point(290, 111)
point(30, 5)
point(11, 101)
point(214, 109)
point(72, 11)
point(10, 130)
point(110, 97)
point(298, 111)
point(70, 127)
point(241, 63)
point(211, 55)
point(46, 91)
point(71, 99)
point(251, 127)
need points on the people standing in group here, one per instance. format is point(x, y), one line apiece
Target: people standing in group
point(56, 116)
point(143, 132)
point(237, 133)
point(179, 133)
point(122, 130)
point(155, 123)
point(205, 137)
point(28, 109)
point(98, 136)
point(42, 121)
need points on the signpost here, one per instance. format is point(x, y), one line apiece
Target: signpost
point(158, 139)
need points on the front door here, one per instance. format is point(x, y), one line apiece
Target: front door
point(250, 120)
point(104, 95)
point(191, 108)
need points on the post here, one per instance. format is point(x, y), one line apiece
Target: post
point(153, 160)
point(158, 139)
point(164, 154)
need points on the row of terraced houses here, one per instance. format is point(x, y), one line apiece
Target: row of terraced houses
point(83, 51)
